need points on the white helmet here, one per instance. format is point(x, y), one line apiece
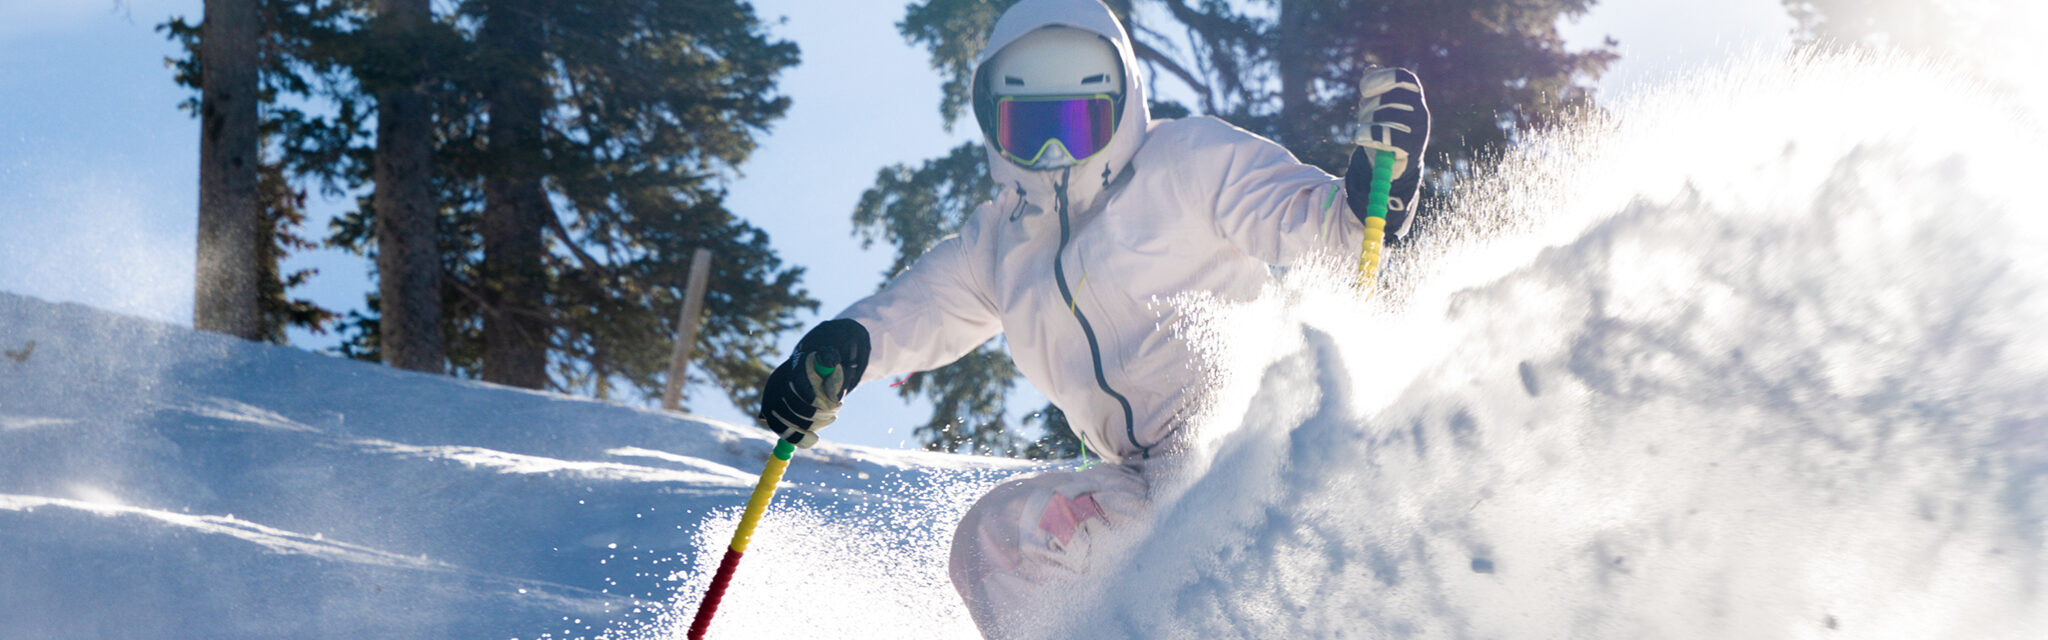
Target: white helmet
point(1057, 92)
point(1056, 61)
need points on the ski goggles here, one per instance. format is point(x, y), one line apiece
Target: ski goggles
point(1028, 126)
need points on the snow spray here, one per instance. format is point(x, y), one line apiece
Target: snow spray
point(764, 492)
point(1763, 353)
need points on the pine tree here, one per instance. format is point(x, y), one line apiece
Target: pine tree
point(245, 190)
point(409, 255)
point(516, 206)
point(1280, 68)
point(230, 215)
point(582, 156)
point(579, 152)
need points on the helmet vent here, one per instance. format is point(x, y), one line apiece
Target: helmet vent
point(1013, 81)
point(1100, 77)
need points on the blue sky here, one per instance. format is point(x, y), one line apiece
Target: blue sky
point(98, 177)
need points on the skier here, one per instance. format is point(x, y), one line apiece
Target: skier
point(1101, 211)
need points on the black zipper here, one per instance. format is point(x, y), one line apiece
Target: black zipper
point(1059, 274)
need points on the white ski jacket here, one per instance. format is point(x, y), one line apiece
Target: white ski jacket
point(1078, 284)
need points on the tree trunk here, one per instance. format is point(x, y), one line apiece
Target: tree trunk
point(230, 215)
point(516, 325)
point(408, 254)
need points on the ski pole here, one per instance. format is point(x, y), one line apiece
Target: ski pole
point(1376, 219)
point(764, 491)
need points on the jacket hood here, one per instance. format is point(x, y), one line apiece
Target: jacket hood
point(1088, 179)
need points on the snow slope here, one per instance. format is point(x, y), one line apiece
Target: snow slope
point(1759, 355)
point(159, 483)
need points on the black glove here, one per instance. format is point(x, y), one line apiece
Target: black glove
point(1392, 116)
point(802, 395)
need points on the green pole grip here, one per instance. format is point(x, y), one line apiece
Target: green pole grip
point(1382, 184)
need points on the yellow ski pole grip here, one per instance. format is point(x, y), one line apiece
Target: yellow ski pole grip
point(764, 491)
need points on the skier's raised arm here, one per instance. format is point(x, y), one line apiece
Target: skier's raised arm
point(934, 312)
point(929, 315)
point(1276, 209)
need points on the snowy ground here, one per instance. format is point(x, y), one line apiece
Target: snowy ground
point(160, 483)
point(1764, 354)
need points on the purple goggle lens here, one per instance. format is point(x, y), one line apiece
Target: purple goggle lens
point(1025, 126)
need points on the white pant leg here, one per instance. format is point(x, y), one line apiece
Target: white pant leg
point(1037, 531)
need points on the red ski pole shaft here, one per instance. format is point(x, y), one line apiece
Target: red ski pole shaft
point(764, 491)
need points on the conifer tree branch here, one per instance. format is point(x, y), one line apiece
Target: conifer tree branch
point(1153, 55)
point(554, 224)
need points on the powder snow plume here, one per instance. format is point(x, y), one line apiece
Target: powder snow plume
point(1762, 355)
point(1759, 354)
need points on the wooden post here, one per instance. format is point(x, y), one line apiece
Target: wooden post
point(686, 329)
